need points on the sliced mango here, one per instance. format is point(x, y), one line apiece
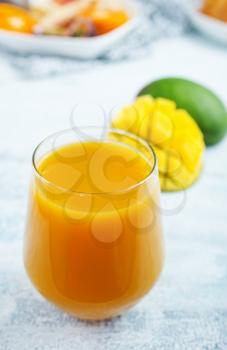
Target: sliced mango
point(174, 135)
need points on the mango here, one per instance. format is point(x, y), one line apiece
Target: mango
point(202, 104)
point(173, 134)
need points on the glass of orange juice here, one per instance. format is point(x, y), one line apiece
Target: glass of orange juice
point(93, 241)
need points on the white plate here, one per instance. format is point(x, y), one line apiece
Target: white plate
point(71, 47)
point(207, 25)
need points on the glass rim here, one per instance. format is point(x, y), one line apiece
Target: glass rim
point(109, 129)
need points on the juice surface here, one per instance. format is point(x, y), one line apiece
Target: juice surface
point(93, 242)
point(93, 167)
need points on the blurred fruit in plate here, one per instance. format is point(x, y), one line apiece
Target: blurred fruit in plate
point(62, 2)
point(108, 20)
point(16, 19)
point(216, 9)
point(64, 17)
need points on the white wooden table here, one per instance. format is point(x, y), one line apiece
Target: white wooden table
point(187, 310)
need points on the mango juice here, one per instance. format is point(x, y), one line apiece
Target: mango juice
point(93, 243)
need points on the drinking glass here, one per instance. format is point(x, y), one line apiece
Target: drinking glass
point(93, 254)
